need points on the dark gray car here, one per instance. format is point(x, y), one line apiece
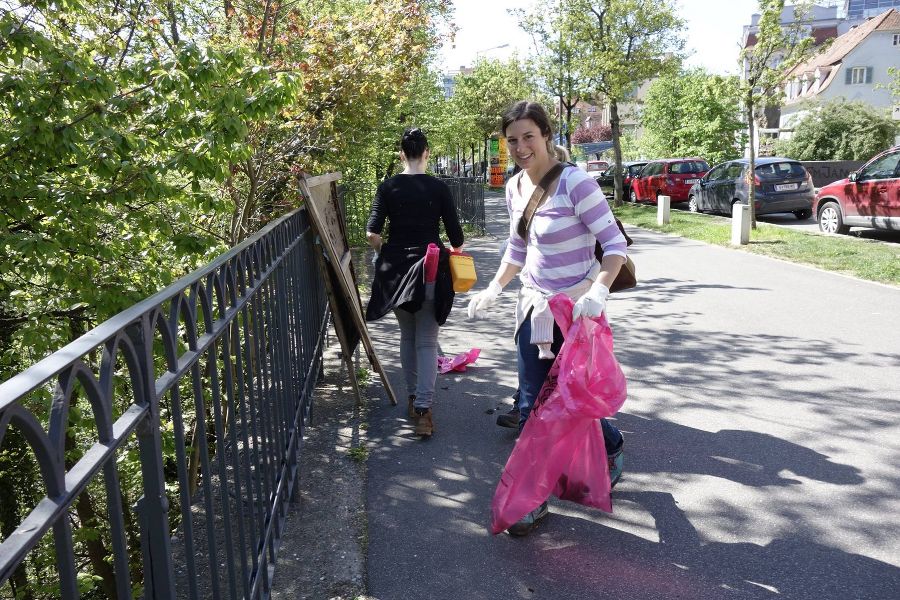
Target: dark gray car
point(782, 185)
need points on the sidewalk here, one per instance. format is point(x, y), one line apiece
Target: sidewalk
point(735, 482)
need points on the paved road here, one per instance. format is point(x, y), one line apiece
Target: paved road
point(762, 446)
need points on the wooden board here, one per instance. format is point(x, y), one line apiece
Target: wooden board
point(320, 194)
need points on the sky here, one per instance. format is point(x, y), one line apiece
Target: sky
point(713, 32)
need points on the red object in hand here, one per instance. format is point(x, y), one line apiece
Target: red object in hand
point(431, 262)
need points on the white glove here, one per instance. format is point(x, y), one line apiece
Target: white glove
point(593, 303)
point(483, 300)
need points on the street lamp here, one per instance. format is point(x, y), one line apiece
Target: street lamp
point(477, 52)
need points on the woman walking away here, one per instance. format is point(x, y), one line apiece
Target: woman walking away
point(414, 204)
point(554, 255)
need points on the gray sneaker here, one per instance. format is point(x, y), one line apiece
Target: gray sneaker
point(524, 525)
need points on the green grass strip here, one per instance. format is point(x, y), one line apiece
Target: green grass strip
point(861, 258)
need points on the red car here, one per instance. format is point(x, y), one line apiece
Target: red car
point(868, 197)
point(671, 177)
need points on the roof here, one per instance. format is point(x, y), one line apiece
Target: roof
point(844, 44)
point(823, 34)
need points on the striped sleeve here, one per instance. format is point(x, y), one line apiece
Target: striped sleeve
point(592, 208)
point(515, 250)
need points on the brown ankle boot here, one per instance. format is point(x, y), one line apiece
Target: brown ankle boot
point(424, 423)
point(411, 410)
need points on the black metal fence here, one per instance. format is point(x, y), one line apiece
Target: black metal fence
point(356, 200)
point(195, 403)
point(468, 194)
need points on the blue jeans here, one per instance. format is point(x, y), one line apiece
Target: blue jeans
point(532, 373)
point(419, 349)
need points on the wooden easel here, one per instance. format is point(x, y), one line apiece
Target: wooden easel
point(335, 262)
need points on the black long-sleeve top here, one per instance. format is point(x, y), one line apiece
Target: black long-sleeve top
point(415, 206)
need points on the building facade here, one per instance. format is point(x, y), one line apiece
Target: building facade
point(862, 9)
point(854, 67)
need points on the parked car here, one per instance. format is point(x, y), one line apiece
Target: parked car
point(868, 197)
point(597, 166)
point(782, 185)
point(629, 170)
point(671, 177)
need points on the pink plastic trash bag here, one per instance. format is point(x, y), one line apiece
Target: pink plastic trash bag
point(458, 362)
point(561, 450)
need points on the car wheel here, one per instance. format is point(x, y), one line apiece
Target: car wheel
point(634, 197)
point(803, 215)
point(830, 219)
point(692, 204)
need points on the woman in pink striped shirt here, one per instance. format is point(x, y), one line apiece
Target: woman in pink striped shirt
point(556, 255)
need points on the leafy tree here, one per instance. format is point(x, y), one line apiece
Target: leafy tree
point(556, 61)
point(766, 64)
point(141, 137)
point(693, 114)
point(625, 43)
point(482, 96)
point(840, 130)
point(595, 132)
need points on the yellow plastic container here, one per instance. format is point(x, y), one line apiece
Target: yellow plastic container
point(462, 270)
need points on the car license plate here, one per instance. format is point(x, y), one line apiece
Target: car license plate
point(784, 187)
point(691, 180)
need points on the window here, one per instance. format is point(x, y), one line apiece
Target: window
point(691, 166)
point(858, 75)
point(734, 171)
point(716, 173)
point(883, 168)
point(897, 39)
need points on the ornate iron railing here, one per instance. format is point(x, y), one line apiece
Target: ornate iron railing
point(204, 390)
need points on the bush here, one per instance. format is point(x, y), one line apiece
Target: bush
point(840, 130)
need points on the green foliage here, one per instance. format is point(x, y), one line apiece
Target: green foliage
point(840, 130)
point(139, 139)
point(480, 98)
point(556, 60)
point(358, 453)
point(623, 43)
point(693, 114)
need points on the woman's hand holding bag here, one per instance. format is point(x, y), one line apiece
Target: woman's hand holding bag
point(593, 303)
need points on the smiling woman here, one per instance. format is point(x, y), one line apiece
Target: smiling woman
point(557, 216)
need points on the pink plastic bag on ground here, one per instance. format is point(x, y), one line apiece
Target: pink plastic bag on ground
point(561, 450)
point(458, 362)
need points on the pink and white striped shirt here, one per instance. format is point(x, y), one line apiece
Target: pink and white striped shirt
point(560, 247)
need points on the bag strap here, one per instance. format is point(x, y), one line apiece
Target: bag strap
point(540, 192)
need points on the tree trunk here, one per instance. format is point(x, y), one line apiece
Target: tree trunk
point(617, 151)
point(751, 169)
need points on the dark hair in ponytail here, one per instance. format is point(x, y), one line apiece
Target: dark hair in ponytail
point(414, 143)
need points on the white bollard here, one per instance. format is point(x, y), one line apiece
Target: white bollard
point(662, 209)
point(740, 224)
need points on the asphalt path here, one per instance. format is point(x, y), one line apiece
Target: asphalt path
point(762, 444)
